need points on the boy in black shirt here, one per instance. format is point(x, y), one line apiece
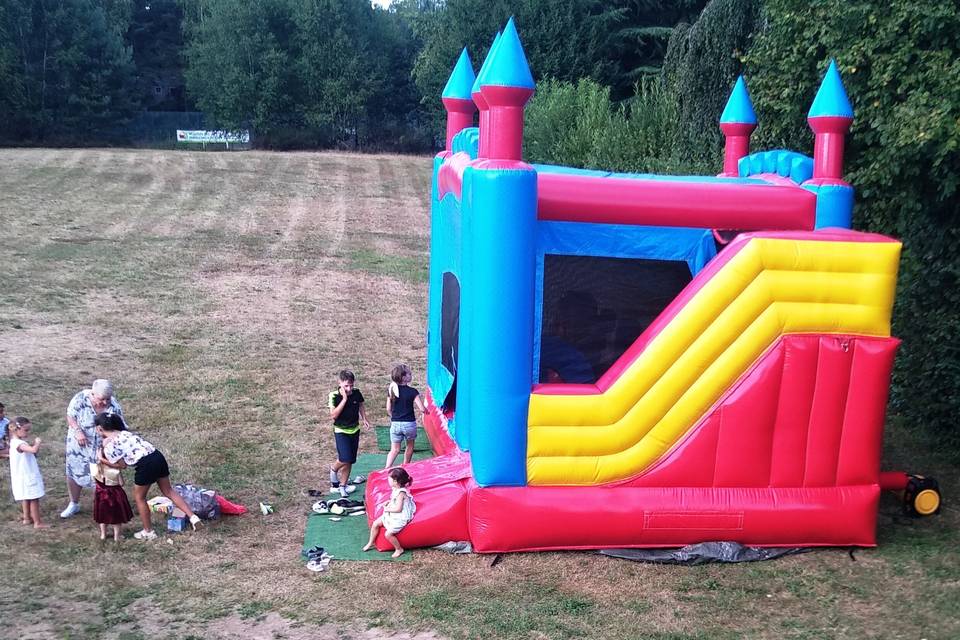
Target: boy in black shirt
point(346, 409)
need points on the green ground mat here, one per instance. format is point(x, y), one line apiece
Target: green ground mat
point(343, 540)
point(422, 443)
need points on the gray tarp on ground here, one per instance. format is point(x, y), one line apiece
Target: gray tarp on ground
point(704, 553)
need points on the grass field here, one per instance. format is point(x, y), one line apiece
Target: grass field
point(221, 293)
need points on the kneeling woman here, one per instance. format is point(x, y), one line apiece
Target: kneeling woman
point(121, 449)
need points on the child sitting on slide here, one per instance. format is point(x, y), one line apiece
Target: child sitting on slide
point(397, 513)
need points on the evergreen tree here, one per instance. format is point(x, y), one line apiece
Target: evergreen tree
point(70, 72)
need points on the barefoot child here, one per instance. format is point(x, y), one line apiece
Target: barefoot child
point(110, 503)
point(401, 400)
point(25, 478)
point(397, 513)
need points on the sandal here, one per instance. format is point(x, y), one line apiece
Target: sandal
point(314, 553)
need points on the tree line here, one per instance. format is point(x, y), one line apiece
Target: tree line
point(629, 85)
point(299, 73)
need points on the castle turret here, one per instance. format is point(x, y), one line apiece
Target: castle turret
point(737, 123)
point(480, 101)
point(830, 118)
point(456, 98)
point(506, 85)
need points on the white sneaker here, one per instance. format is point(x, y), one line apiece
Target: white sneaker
point(72, 509)
point(344, 491)
point(145, 535)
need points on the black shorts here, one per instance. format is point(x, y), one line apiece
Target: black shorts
point(151, 468)
point(347, 446)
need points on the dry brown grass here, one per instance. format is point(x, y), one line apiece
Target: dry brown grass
point(222, 292)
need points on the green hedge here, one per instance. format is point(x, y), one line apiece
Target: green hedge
point(901, 69)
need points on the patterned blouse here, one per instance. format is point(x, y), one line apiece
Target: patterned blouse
point(126, 446)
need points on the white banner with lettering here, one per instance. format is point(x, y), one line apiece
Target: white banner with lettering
point(236, 137)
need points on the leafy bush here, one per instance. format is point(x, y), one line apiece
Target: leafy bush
point(576, 125)
point(901, 68)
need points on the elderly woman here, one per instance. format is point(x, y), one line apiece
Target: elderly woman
point(82, 439)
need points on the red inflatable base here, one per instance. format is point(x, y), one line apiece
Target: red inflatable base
point(440, 490)
point(551, 518)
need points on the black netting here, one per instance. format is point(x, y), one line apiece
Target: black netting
point(595, 308)
point(450, 333)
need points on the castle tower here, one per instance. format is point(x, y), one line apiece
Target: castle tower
point(830, 118)
point(737, 122)
point(456, 98)
point(480, 101)
point(506, 86)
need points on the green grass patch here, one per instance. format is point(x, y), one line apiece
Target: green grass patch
point(412, 270)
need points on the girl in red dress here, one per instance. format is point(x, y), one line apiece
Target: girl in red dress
point(110, 504)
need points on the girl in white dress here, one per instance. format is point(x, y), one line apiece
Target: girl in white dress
point(397, 513)
point(25, 478)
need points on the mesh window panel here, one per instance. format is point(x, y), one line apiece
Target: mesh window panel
point(595, 308)
point(450, 333)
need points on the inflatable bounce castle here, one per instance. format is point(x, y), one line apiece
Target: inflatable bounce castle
point(601, 376)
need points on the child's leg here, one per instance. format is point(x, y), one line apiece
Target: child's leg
point(374, 530)
point(164, 485)
point(140, 497)
point(396, 544)
point(35, 514)
point(116, 533)
point(408, 454)
point(337, 469)
point(344, 473)
point(25, 505)
point(394, 452)
point(103, 531)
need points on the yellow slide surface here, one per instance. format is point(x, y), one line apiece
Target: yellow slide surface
point(771, 287)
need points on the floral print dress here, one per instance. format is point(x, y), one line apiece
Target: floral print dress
point(79, 458)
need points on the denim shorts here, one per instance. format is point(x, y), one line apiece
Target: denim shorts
point(400, 431)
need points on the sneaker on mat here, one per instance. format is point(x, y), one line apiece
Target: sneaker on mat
point(344, 491)
point(320, 507)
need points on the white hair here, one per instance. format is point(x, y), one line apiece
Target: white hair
point(103, 388)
